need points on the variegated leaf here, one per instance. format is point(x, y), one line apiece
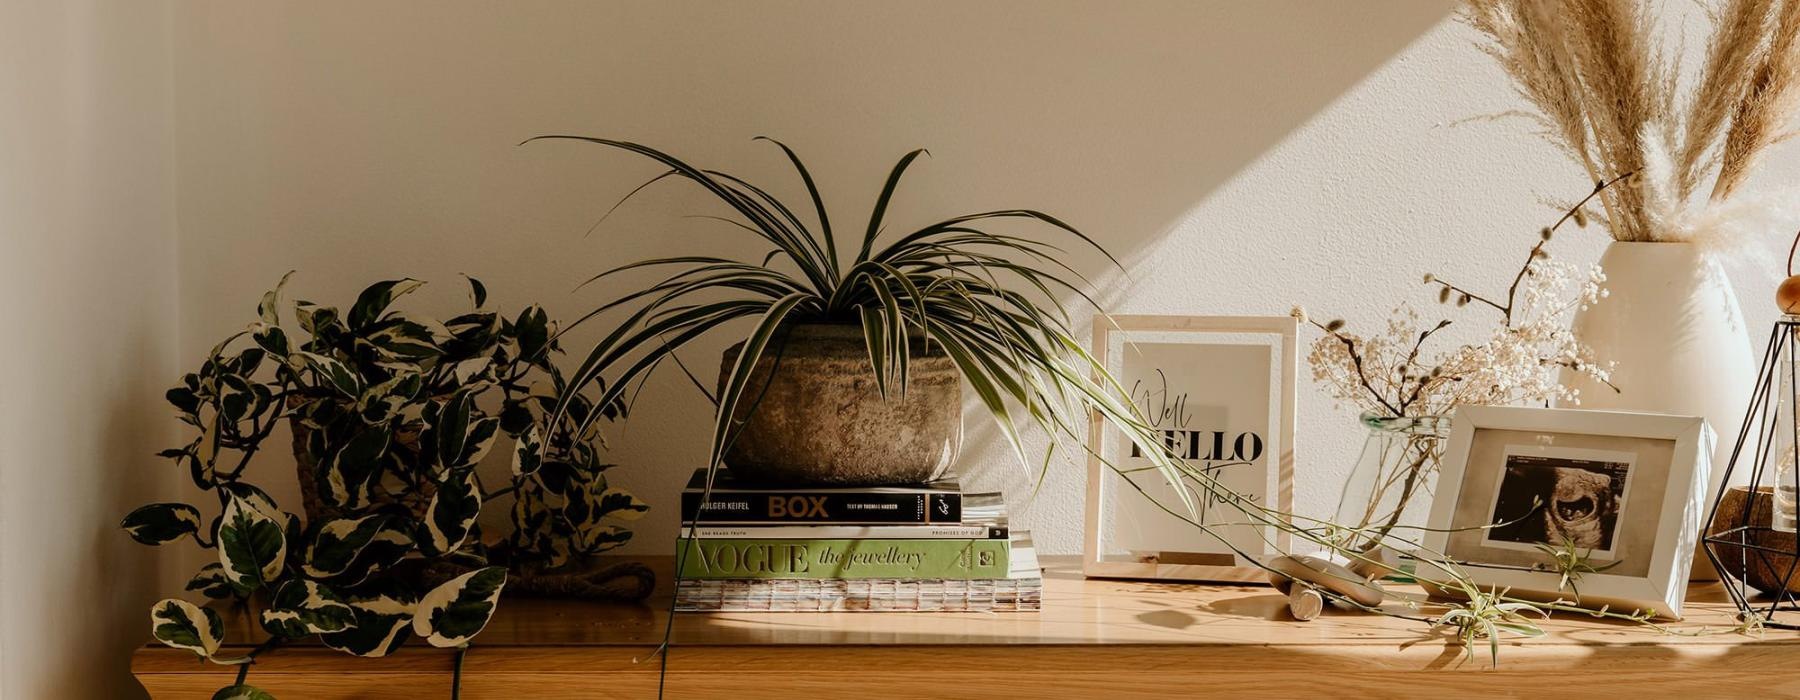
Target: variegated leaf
point(348, 474)
point(594, 540)
point(618, 504)
point(252, 545)
point(265, 309)
point(482, 435)
point(338, 374)
point(257, 499)
point(350, 550)
point(477, 291)
point(211, 582)
point(379, 403)
point(453, 613)
point(314, 319)
point(467, 370)
point(527, 454)
point(451, 428)
point(301, 607)
point(534, 333)
point(274, 340)
point(382, 623)
point(451, 515)
point(158, 523)
point(407, 341)
point(184, 625)
point(376, 298)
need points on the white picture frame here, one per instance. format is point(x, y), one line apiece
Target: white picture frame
point(1628, 488)
point(1231, 387)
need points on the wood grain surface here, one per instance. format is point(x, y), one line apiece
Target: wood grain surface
point(1094, 638)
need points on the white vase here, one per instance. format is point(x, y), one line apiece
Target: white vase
point(1672, 326)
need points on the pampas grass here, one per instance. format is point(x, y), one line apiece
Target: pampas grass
point(1611, 98)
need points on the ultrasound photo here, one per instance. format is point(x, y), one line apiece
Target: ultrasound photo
point(1551, 499)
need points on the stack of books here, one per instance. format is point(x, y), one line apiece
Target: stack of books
point(924, 548)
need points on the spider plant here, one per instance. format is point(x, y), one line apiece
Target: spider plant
point(952, 284)
point(1486, 616)
point(1571, 561)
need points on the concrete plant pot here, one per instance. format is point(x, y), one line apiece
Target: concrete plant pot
point(812, 415)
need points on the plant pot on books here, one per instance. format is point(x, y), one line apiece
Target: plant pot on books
point(813, 414)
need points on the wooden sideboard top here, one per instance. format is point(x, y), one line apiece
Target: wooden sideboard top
point(1088, 629)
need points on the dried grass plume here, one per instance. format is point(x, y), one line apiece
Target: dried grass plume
point(1612, 99)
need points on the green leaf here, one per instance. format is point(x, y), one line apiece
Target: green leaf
point(377, 298)
point(252, 545)
point(184, 625)
point(242, 692)
point(211, 582)
point(159, 523)
point(453, 613)
point(381, 625)
point(349, 551)
point(300, 608)
point(451, 515)
point(748, 356)
point(818, 202)
point(881, 203)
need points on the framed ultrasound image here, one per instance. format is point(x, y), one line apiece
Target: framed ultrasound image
point(1624, 490)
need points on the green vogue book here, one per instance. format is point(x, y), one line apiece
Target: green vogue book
point(843, 559)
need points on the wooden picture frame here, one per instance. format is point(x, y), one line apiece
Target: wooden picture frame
point(1218, 385)
point(1628, 489)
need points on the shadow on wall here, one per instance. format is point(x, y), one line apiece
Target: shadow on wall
point(95, 638)
point(373, 143)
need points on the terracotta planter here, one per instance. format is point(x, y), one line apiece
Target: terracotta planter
point(811, 413)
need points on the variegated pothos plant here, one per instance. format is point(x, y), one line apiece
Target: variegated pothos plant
point(391, 412)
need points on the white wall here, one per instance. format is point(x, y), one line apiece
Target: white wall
point(1241, 157)
point(87, 271)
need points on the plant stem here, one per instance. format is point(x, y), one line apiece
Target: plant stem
point(1362, 376)
point(456, 674)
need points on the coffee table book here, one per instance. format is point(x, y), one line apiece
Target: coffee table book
point(732, 502)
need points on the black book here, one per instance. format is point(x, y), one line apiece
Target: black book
point(735, 503)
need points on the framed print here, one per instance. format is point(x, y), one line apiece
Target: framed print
point(1626, 490)
point(1220, 390)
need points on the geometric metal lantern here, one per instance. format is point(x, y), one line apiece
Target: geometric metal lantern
point(1750, 529)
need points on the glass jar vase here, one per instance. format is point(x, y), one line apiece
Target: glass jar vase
point(1387, 497)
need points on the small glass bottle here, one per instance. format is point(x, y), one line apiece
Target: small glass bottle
point(1389, 490)
point(1787, 477)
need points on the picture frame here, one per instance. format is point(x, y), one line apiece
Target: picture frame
point(1221, 386)
point(1627, 490)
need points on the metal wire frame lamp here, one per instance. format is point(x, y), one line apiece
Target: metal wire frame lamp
point(1751, 529)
